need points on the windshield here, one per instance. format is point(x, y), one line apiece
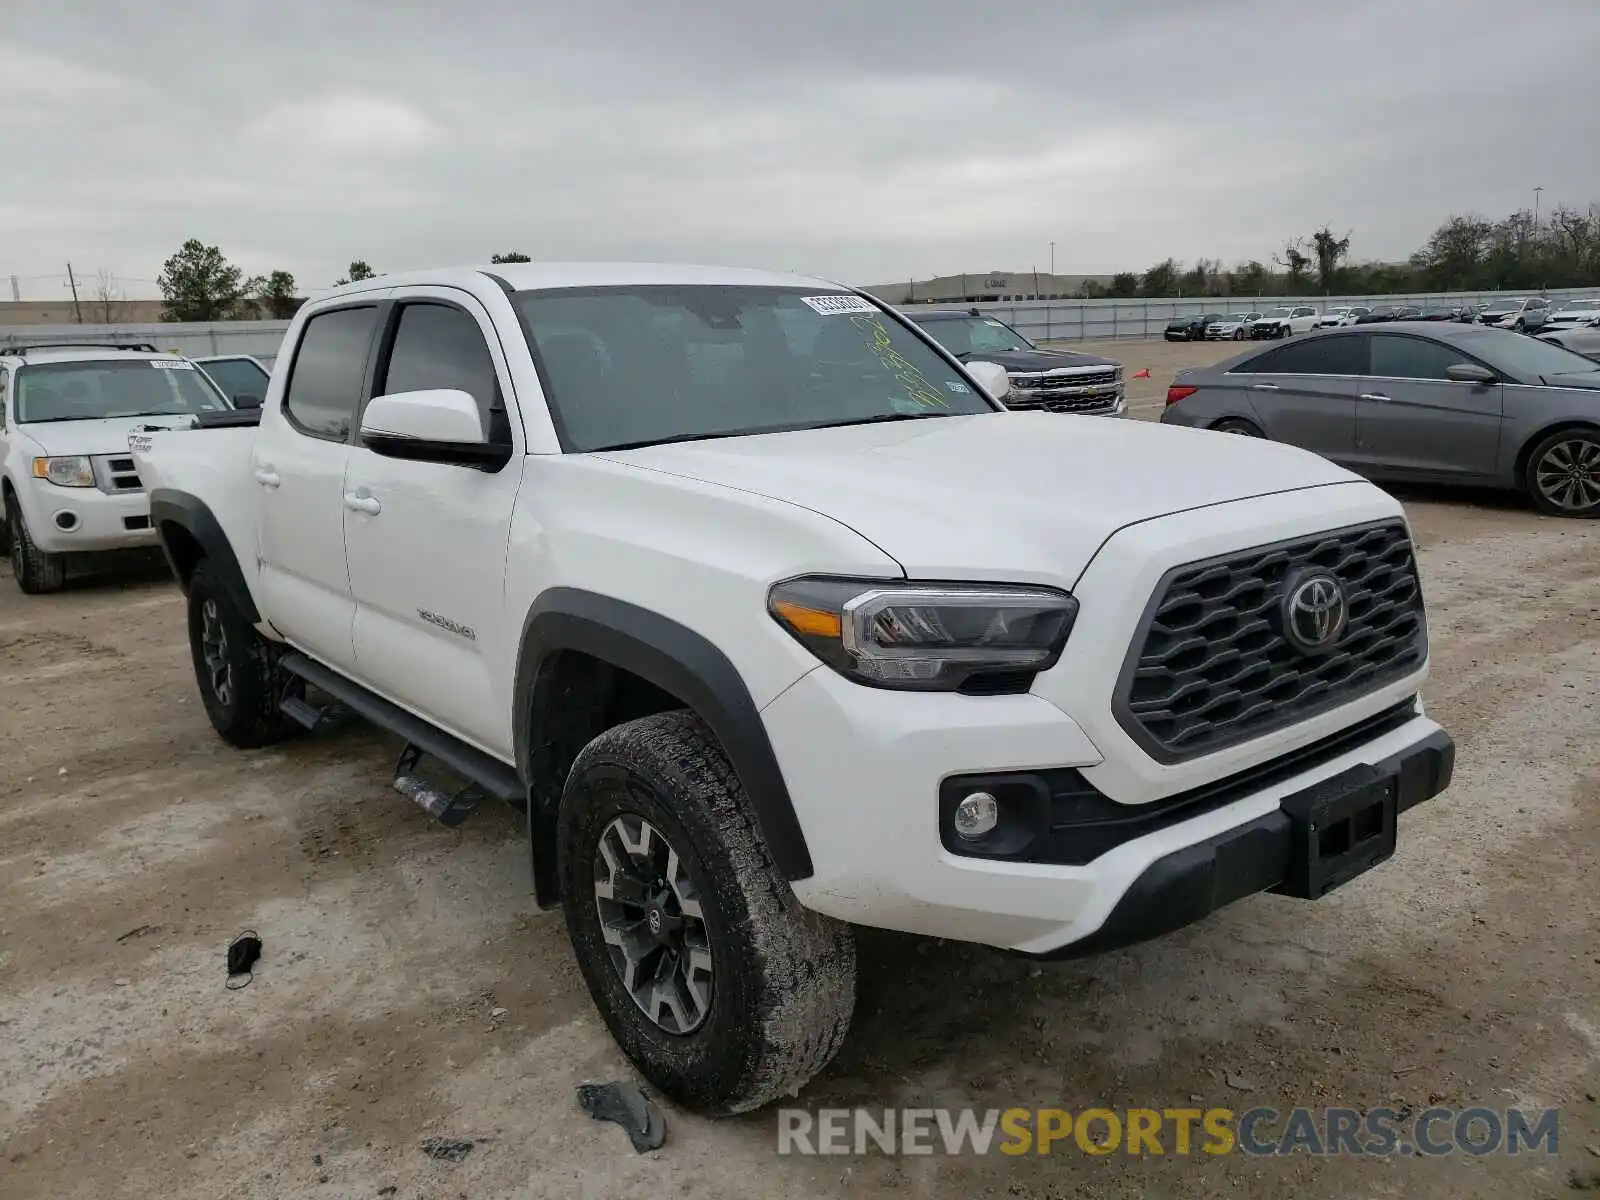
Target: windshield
point(1581, 306)
point(974, 335)
point(1504, 306)
point(633, 366)
point(1281, 312)
point(1525, 358)
point(90, 390)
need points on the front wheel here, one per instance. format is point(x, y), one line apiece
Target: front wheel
point(721, 988)
point(1563, 473)
point(35, 571)
point(235, 667)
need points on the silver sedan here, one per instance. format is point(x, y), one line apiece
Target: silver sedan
point(1417, 402)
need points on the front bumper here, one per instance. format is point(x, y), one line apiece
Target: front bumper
point(1187, 885)
point(98, 521)
point(871, 819)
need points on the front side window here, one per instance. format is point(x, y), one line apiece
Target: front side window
point(1525, 359)
point(439, 346)
point(329, 365)
point(632, 366)
point(89, 390)
point(4, 392)
point(1315, 356)
point(1396, 357)
point(975, 335)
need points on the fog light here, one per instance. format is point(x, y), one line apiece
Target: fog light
point(66, 521)
point(976, 815)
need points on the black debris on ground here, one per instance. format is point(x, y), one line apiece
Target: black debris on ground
point(625, 1104)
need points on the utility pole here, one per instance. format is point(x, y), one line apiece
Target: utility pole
point(76, 307)
point(1052, 261)
point(1536, 192)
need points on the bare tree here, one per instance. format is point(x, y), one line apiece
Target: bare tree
point(105, 295)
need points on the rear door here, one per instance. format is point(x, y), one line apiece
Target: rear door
point(1411, 417)
point(298, 463)
point(1304, 392)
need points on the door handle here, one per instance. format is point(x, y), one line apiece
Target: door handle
point(362, 504)
point(267, 477)
point(1264, 387)
point(1378, 396)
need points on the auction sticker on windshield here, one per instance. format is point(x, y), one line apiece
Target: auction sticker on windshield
point(835, 306)
point(171, 364)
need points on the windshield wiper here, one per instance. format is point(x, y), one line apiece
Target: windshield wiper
point(760, 429)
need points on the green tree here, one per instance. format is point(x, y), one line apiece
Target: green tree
point(275, 296)
point(1124, 284)
point(1330, 251)
point(1161, 279)
point(515, 256)
point(1294, 260)
point(358, 271)
point(199, 284)
point(1250, 279)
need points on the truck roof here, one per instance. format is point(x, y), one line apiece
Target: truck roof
point(530, 276)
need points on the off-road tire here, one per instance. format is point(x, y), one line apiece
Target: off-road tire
point(1239, 426)
point(36, 572)
point(783, 977)
point(247, 714)
point(1587, 441)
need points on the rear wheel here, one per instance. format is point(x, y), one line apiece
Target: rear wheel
point(235, 667)
point(724, 991)
point(35, 571)
point(1563, 473)
point(1239, 426)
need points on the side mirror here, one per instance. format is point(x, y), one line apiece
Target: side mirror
point(247, 401)
point(992, 378)
point(440, 425)
point(1470, 373)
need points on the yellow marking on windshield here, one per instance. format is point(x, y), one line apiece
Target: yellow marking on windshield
point(917, 388)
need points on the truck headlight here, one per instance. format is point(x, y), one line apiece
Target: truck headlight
point(72, 470)
point(927, 637)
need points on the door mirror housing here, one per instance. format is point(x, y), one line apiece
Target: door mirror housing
point(1470, 373)
point(440, 425)
point(247, 401)
point(992, 378)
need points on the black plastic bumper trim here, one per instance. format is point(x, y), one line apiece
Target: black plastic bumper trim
point(1181, 888)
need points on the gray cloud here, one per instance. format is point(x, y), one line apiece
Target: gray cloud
point(864, 142)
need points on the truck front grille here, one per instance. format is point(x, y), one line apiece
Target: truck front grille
point(1100, 402)
point(1212, 665)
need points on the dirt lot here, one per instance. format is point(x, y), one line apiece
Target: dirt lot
point(409, 991)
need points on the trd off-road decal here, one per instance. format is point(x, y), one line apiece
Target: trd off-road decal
point(446, 624)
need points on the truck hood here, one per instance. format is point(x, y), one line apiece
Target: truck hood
point(1025, 497)
point(1040, 360)
point(107, 436)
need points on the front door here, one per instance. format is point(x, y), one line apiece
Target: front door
point(298, 467)
point(1412, 417)
point(426, 542)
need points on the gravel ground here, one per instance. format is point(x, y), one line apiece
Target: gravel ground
point(408, 990)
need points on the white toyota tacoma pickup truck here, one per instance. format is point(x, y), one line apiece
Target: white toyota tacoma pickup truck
point(775, 622)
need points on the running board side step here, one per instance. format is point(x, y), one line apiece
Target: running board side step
point(487, 775)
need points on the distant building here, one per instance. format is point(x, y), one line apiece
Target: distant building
point(95, 312)
point(990, 287)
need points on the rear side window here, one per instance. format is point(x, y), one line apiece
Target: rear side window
point(437, 346)
point(243, 381)
point(325, 378)
point(1411, 358)
point(1314, 356)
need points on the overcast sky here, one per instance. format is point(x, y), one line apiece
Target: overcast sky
point(865, 141)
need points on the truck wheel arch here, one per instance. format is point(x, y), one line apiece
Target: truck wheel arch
point(190, 531)
point(569, 623)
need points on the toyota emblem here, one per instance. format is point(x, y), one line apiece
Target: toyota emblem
point(1314, 612)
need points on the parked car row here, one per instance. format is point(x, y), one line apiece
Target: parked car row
point(1419, 402)
point(1524, 314)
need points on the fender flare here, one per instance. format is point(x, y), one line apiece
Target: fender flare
point(170, 507)
point(677, 660)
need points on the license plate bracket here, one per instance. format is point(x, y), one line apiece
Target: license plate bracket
point(1338, 829)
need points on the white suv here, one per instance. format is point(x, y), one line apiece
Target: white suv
point(774, 622)
point(67, 483)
